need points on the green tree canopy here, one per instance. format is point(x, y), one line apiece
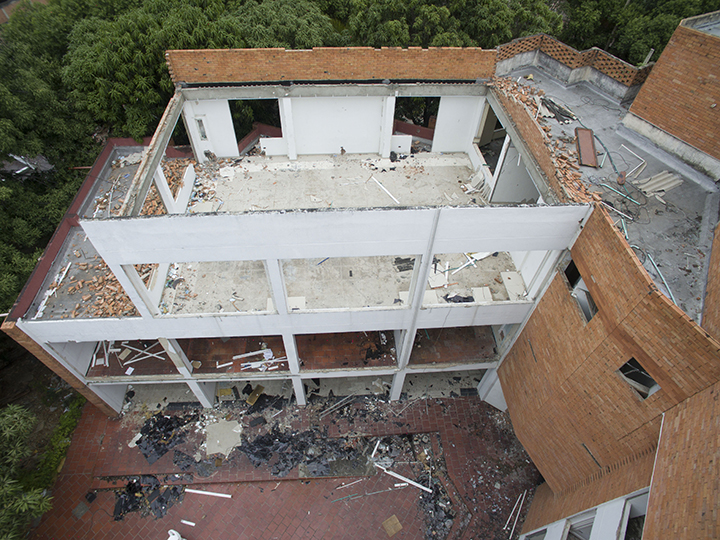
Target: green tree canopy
point(17, 506)
point(627, 28)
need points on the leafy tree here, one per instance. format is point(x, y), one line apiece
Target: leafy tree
point(627, 28)
point(292, 24)
point(484, 23)
point(17, 506)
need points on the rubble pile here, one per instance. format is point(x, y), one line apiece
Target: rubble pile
point(312, 449)
point(153, 205)
point(174, 169)
point(144, 494)
point(100, 292)
point(564, 158)
point(201, 467)
point(160, 433)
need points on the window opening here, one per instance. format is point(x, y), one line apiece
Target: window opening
point(201, 129)
point(580, 292)
point(638, 378)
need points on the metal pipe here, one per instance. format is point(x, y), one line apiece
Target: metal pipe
point(616, 210)
point(662, 278)
point(620, 193)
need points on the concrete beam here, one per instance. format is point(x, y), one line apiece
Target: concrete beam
point(143, 177)
point(340, 90)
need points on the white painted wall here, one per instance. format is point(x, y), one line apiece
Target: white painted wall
point(324, 125)
point(274, 146)
point(78, 355)
point(401, 144)
point(514, 184)
point(112, 394)
point(534, 267)
point(216, 117)
point(457, 122)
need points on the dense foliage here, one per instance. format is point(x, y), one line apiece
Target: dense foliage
point(17, 505)
point(71, 69)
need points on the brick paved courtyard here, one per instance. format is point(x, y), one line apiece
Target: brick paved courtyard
point(485, 470)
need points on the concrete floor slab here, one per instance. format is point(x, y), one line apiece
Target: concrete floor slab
point(349, 181)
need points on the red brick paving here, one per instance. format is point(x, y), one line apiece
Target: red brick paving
point(479, 447)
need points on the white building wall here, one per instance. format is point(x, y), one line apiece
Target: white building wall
point(325, 125)
point(514, 183)
point(219, 131)
point(457, 122)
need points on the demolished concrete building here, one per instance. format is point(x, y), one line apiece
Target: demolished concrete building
point(342, 250)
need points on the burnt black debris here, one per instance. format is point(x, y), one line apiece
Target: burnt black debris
point(144, 494)
point(438, 513)
point(203, 468)
point(404, 264)
point(283, 451)
point(458, 298)
point(160, 433)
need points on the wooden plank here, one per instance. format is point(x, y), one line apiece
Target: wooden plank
point(585, 140)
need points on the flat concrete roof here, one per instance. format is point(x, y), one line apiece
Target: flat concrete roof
point(708, 23)
point(675, 229)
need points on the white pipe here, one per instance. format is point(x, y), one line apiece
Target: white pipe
point(214, 494)
point(400, 477)
point(518, 514)
point(385, 190)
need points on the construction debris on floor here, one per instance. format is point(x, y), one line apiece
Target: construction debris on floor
point(146, 495)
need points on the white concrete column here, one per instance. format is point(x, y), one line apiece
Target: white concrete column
point(177, 355)
point(397, 385)
point(291, 352)
point(204, 392)
point(157, 283)
point(163, 188)
point(288, 126)
point(299, 388)
point(136, 290)
point(499, 166)
point(417, 293)
point(386, 127)
point(490, 390)
point(277, 285)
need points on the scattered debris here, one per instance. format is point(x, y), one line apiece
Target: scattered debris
point(144, 494)
point(161, 433)
point(319, 456)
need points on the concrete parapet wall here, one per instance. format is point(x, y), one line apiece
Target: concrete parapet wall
point(611, 75)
